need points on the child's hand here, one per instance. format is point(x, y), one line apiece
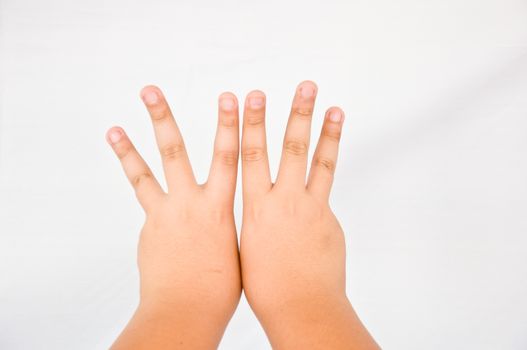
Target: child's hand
point(292, 246)
point(188, 253)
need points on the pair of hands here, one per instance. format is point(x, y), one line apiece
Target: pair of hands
point(291, 261)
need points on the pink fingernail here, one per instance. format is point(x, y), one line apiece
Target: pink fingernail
point(115, 135)
point(256, 101)
point(335, 116)
point(227, 104)
point(150, 97)
point(307, 92)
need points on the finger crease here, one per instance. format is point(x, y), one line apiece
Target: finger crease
point(173, 151)
point(297, 148)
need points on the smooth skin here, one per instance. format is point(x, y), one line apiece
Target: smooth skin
point(292, 246)
point(292, 252)
point(188, 254)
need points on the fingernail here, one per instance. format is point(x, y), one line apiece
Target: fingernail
point(115, 135)
point(335, 116)
point(150, 97)
point(227, 104)
point(307, 91)
point(256, 101)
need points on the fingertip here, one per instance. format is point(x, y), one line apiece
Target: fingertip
point(149, 87)
point(256, 92)
point(150, 94)
point(228, 101)
point(307, 89)
point(114, 135)
point(335, 115)
point(308, 82)
point(227, 94)
point(255, 99)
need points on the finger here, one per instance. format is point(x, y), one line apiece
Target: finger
point(224, 167)
point(293, 164)
point(178, 171)
point(146, 187)
point(256, 175)
point(325, 156)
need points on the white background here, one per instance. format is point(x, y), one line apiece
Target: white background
point(431, 185)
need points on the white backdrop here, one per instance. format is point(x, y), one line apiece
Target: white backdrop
point(431, 186)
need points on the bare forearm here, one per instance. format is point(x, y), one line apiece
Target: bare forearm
point(157, 329)
point(323, 323)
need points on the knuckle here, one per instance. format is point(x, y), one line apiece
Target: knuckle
point(160, 113)
point(172, 151)
point(228, 121)
point(333, 135)
point(139, 179)
point(302, 112)
point(325, 163)
point(123, 150)
point(255, 119)
point(253, 154)
point(227, 157)
point(295, 147)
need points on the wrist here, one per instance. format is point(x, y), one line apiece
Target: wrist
point(304, 308)
point(315, 322)
point(155, 325)
point(184, 311)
